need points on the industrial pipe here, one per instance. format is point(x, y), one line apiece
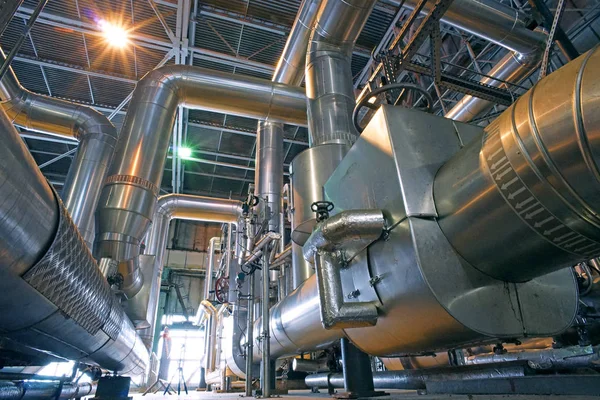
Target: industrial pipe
point(23, 390)
point(213, 244)
point(129, 195)
point(97, 138)
point(186, 207)
point(268, 177)
point(534, 178)
point(53, 297)
point(358, 228)
point(329, 88)
point(417, 379)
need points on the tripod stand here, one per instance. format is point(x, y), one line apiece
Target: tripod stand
point(180, 377)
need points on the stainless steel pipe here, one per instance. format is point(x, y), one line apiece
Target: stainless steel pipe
point(56, 298)
point(97, 138)
point(417, 379)
point(329, 85)
point(23, 390)
point(528, 192)
point(265, 382)
point(269, 135)
point(129, 196)
point(214, 244)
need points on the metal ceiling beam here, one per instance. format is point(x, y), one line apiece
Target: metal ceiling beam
point(239, 132)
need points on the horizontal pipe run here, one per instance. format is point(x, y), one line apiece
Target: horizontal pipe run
point(417, 379)
point(562, 358)
point(23, 390)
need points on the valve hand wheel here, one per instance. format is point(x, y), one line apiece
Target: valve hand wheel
point(365, 102)
point(222, 289)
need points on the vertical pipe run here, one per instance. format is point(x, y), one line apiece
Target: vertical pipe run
point(208, 279)
point(266, 350)
point(229, 250)
point(250, 336)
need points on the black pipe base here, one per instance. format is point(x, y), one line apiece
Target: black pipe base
point(113, 388)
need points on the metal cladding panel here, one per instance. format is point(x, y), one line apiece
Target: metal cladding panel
point(401, 142)
point(431, 299)
point(68, 276)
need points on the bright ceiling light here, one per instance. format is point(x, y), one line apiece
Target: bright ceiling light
point(185, 153)
point(114, 34)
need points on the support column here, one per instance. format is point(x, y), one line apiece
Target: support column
point(358, 376)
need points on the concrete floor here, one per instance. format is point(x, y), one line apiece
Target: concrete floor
point(394, 395)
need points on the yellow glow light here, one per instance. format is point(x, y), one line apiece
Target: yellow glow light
point(114, 34)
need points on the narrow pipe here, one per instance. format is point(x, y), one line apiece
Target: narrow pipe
point(214, 243)
point(269, 135)
point(97, 138)
point(250, 336)
point(562, 358)
point(186, 207)
point(266, 350)
point(417, 379)
point(59, 301)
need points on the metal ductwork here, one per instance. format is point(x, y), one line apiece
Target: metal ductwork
point(269, 135)
point(178, 206)
point(70, 311)
point(97, 138)
point(331, 101)
point(534, 171)
point(129, 196)
point(499, 24)
point(537, 169)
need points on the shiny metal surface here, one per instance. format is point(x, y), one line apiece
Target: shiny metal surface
point(214, 244)
point(309, 171)
point(537, 169)
point(423, 286)
point(301, 269)
point(416, 379)
point(265, 376)
point(53, 297)
point(334, 241)
point(296, 324)
point(97, 138)
point(133, 278)
point(179, 206)
point(268, 177)
point(514, 68)
point(129, 196)
point(490, 20)
point(140, 308)
point(329, 85)
point(306, 365)
point(22, 390)
point(563, 358)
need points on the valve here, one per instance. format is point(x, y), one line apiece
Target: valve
point(322, 209)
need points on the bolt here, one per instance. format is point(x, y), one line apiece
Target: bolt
point(375, 280)
point(354, 294)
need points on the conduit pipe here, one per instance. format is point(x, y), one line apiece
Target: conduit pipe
point(53, 297)
point(269, 135)
point(97, 138)
point(129, 196)
point(186, 207)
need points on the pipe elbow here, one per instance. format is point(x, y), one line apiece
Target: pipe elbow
point(89, 123)
point(166, 205)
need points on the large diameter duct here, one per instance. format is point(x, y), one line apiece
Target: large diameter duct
point(128, 199)
point(330, 94)
point(53, 297)
point(269, 135)
point(329, 85)
point(537, 168)
point(553, 152)
point(186, 207)
point(97, 138)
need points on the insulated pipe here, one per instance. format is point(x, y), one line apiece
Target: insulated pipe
point(535, 177)
point(23, 390)
point(97, 138)
point(186, 207)
point(265, 379)
point(129, 195)
point(329, 86)
point(417, 379)
point(214, 243)
point(53, 297)
point(501, 25)
point(269, 135)
point(513, 67)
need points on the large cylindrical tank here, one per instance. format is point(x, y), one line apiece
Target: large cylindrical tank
point(525, 200)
